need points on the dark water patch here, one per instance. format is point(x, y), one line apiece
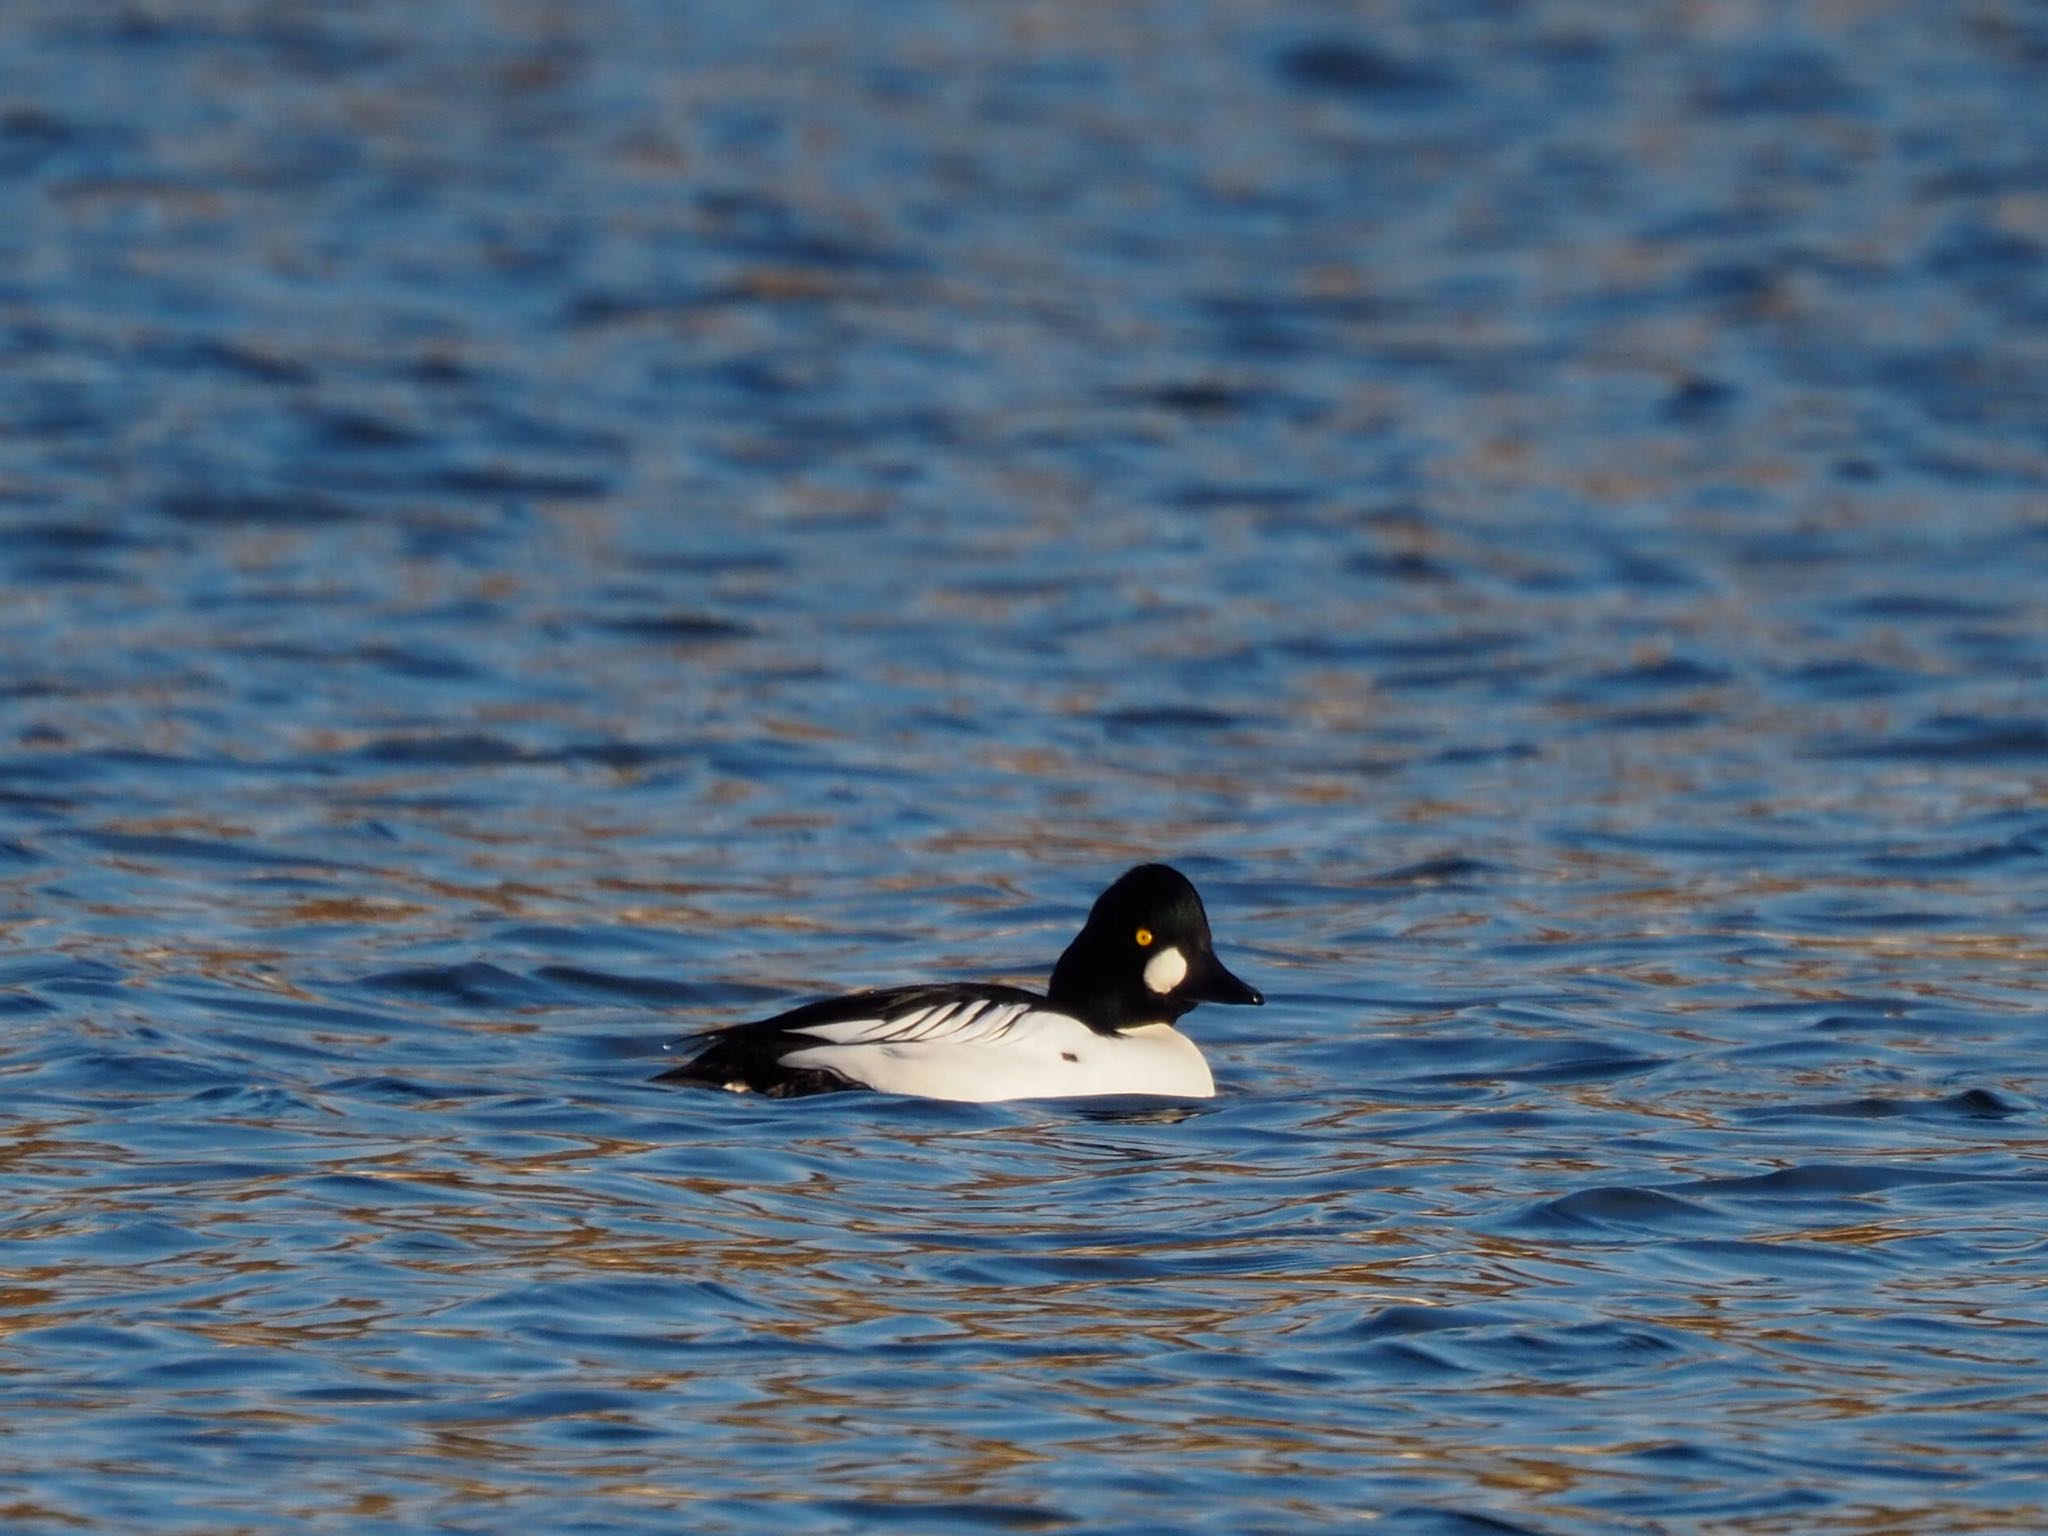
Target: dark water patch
point(36, 688)
point(624, 757)
point(182, 1175)
point(1568, 1065)
point(359, 1395)
point(556, 1403)
point(1808, 1013)
point(1778, 1262)
point(1672, 672)
point(72, 538)
point(420, 662)
point(238, 357)
point(57, 972)
point(1775, 80)
point(1684, 1458)
point(400, 661)
point(31, 137)
point(494, 479)
point(1852, 1181)
point(947, 1515)
point(313, 46)
point(160, 765)
point(1408, 1321)
point(390, 1089)
point(1456, 645)
point(1623, 565)
point(1617, 1208)
point(39, 807)
point(731, 557)
point(1973, 252)
point(655, 991)
point(248, 1100)
point(1793, 1506)
point(2020, 850)
point(143, 1239)
point(1652, 720)
point(1202, 398)
point(1716, 841)
point(1492, 678)
point(763, 379)
point(680, 629)
point(249, 508)
point(1602, 1349)
point(1262, 329)
point(197, 1372)
point(34, 569)
point(1449, 1047)
point(608, 1430)
point(1488, 1125)
point(819, 767)
point(1916, 1023)
point(304, 1022)
point(1699, 401)
point(757, 224)
point(1420, 1520)
point(1404, 1360)
point(1845, 917)
point(1167, 719)
point(1205, 495)
point(1946, 739)
point(470, 984)
point(549, 938)
point(649, 1301)
point(1910, 605)
point(1970, 1104)
point(1504, 752)
point(360, 431)
point(455, 750)
point(118, 1073)
point(1455, 871)
point(1356, 70)
point(1402, 566)
point(601, 308)
point(361, 1190)
point(92, 1339)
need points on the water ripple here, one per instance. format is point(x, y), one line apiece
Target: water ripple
point(531, 531)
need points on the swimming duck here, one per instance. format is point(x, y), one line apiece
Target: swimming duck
point(1104, 1026)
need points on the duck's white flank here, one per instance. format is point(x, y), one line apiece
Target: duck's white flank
point(982, 1052)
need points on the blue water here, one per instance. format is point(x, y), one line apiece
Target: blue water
point(529, 529)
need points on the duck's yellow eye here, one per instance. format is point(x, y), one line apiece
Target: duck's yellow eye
point(1144, 937)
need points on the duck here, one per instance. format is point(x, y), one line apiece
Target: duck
point(1104, 1025)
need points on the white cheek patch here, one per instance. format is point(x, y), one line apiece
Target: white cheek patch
point(1166, 970)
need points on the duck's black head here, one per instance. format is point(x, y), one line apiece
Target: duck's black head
point(1144, 956)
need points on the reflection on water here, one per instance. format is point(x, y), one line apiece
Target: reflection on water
point(528, 530)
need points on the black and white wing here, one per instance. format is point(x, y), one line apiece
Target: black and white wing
point(921, 1019)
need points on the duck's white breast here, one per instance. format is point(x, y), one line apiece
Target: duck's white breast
point(1037, 1054)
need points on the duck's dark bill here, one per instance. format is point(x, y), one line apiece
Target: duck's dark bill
point(1211, 983)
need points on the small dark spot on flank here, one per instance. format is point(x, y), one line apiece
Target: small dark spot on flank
point(1068, 1056)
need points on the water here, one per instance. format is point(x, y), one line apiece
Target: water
point(527, 529)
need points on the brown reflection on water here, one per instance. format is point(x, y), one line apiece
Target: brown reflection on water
point(817, 1255)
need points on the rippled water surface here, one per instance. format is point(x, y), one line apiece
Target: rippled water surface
point(528, 528)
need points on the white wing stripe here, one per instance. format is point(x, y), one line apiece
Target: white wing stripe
point(976, 1021)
